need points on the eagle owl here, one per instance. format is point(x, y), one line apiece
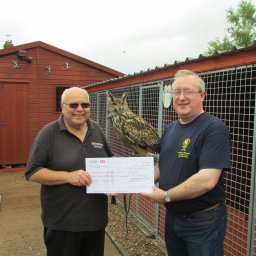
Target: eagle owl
point(135, 132)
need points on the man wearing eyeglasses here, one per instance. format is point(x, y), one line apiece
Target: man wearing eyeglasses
point(194, 154)
point(74, 221)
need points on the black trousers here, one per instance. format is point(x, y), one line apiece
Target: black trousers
point(65, 243)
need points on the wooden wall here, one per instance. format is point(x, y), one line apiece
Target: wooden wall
point(41, 77)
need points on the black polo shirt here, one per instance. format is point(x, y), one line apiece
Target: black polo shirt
point(187, 148)
point(67, 207)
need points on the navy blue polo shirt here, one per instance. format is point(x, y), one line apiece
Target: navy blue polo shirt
point(187, 148)
point(67, 207)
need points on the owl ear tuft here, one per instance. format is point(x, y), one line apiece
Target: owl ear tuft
point(111, 96)
point(124, 96)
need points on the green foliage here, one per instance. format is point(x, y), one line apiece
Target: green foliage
point(8, 44)
point(241, 31)
point(218, 46)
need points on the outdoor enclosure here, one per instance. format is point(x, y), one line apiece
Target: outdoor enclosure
point(231, 97)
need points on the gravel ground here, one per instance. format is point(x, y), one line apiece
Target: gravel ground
point(138, 241)
point(21, 231)
point(21, 228)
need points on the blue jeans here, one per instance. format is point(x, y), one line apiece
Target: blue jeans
point(199, 235)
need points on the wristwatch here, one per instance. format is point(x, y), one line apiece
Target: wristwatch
point(167, 198)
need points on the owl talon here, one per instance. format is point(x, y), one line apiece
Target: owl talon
point(155, 156)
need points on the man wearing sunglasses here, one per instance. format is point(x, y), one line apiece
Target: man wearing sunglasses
point(74, 221)
point(194, 154)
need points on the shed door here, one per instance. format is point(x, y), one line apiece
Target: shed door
point(13, 123)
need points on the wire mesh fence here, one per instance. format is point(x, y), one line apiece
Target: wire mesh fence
point(231, 95)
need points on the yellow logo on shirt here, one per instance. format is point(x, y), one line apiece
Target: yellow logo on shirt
point(183, 153)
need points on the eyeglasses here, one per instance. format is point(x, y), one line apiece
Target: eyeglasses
point(76, 105)
point(185, 92)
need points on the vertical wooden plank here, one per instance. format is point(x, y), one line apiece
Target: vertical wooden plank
point(2, 116)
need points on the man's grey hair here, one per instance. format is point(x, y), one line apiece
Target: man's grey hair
point(185, 72)
point(67, 91)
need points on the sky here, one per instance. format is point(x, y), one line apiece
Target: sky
point(128, 36)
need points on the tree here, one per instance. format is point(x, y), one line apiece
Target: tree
point(242, 29)
point(8, 44)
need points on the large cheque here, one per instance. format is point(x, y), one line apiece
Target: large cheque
point(120, 174)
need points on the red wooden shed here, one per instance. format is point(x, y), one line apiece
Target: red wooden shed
point(32, 79)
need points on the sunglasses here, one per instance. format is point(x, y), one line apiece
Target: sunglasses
point(76, 105)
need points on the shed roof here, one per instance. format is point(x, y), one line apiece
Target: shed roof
point(67, 54)
point(176, 64)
